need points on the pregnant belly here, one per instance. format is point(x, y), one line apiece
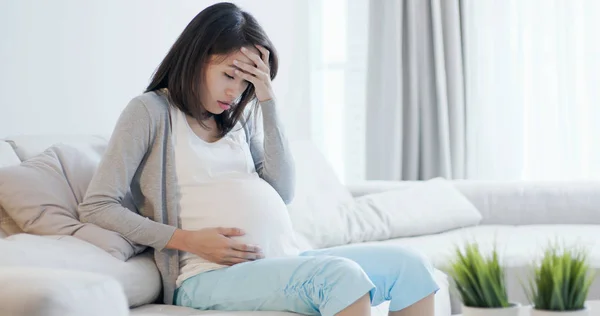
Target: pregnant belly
point(250, 204)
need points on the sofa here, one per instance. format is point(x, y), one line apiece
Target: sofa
point(65, 275)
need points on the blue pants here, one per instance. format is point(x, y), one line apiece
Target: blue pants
point(317, 282)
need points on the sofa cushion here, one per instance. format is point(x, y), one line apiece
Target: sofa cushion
point(139, 275)
point(518, 246)
point(52, 292)
point(42, 194)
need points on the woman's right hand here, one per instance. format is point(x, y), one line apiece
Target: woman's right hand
point(215, 245)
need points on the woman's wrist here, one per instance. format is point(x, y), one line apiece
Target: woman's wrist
point(269, 110)
point(267, 102)
point(178, 240)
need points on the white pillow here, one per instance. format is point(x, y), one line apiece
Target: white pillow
point(318, 195)
point(8, 158)
point(42, 193)
point(324, 213)
point(424, 208)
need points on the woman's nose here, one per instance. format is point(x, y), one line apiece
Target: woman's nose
point(235, 91)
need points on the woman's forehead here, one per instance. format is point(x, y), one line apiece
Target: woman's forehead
point(228, 59)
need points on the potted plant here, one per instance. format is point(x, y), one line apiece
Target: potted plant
point(560, 283)
point(480, 283)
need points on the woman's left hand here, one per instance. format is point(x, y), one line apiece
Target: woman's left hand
point(258, 74)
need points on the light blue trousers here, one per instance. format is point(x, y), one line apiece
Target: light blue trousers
point(317, 282)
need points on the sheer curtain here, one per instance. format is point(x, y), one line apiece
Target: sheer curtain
point(532, 71)
point(337, 66)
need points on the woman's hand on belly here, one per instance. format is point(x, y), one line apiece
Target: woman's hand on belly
point(215, 245)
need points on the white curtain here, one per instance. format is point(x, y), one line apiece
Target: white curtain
point(338, 32)
point(532, 71)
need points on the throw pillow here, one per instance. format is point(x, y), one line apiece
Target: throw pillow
point(7, 224)
point(424, 208)
point(420, 208)
point(42, 194)
point(317, 197)
point(8, 157)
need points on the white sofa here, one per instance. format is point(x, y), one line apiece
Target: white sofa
point(519, 217)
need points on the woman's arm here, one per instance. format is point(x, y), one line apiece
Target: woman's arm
point(270, 151)
point(102, 206)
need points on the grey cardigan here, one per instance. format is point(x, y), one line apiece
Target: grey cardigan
point(140, 158)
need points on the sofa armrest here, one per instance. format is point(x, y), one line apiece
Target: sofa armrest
point(361, 188)
point(138, 276)
point(54, 292)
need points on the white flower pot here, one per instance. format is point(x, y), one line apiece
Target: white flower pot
point(581, 312)
point(512, 310)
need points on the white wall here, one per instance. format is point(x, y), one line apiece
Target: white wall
point(70, 66)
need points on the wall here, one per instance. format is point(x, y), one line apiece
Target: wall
point(69, 66)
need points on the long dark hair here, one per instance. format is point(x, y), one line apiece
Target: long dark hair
point(219, 29)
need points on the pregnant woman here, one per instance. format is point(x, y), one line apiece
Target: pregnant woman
point(204, 155)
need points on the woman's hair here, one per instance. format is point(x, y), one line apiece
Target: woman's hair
point(220, 29)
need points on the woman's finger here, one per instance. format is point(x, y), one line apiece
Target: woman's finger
point(245, 247)
point(256, 59)
point(232, 261)
point(249, 69)
point(246, 76)
point(265, 54)
point(245, 255)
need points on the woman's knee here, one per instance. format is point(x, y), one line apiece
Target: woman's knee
point(339, 267)
point(407, 261)
point(413, 278)
point(333, 275)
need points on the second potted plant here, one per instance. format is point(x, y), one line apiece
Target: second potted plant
point(560, 283)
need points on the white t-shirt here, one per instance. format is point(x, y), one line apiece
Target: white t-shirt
point(219, 187)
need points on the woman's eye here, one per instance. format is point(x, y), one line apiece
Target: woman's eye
point(228, 76)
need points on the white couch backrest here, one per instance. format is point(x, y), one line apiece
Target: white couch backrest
point(517, 202)
point(506, 203)
point(27, 146)
point(8, 157)
point(528, 202)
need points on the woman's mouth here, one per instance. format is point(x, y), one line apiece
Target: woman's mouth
point(224, 106)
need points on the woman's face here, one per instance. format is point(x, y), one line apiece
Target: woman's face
point(221, 87)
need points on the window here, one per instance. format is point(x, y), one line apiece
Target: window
point(338, 73)
point(533, 72)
